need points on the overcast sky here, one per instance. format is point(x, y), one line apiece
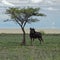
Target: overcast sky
point(50, 7)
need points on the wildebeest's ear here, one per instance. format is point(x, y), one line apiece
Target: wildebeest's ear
point(30, 28)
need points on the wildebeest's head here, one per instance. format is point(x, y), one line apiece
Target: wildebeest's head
point(32, 30)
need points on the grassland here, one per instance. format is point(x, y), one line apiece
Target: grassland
point(10, 48)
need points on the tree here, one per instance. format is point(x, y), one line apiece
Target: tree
point(23, 16)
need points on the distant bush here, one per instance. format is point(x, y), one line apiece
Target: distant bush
point(2, 34)
point(42, 32)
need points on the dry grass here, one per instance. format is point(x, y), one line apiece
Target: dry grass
point(10, 48)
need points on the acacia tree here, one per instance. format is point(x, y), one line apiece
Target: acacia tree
point(23, 16)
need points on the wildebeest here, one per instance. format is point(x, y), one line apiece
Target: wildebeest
point(35, 35)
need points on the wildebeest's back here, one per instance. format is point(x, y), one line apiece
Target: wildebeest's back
point(38, 35)
point(35, 35)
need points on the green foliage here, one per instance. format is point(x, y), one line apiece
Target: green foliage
point(26, 13)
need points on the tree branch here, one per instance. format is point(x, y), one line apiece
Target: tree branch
point(18, 22)
point(25, 21)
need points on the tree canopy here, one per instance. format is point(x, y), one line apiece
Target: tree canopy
point(24, 15)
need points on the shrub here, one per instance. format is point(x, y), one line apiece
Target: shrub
point(42, 32)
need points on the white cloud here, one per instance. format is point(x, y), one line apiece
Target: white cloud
point(56, 0)
point(42, 1)
point(19, 1)
point(36, 1)
point(53, 25)
point(51, 9)
point(7, 3)
point(50, 2)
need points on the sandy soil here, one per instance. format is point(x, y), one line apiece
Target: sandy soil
point(14, 31)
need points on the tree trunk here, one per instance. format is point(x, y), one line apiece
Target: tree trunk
point(24, 40)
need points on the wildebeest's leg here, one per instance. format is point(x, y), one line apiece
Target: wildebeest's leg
point(42, 39)
point(31, 40)
point(39, 40)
